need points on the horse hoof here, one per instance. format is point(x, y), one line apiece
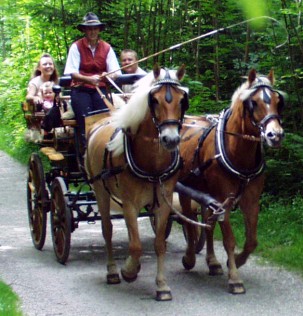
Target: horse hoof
point(236, 288)
point(128, 278)
point(186, 265)
point(163, 296)
point(113, 278)
point(215, 269)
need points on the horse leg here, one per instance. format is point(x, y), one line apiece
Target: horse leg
point(103, 201)
point(189, 259)
point(132, 264)
point(163, 290)
point(235, 284)
point(251, 221)
point(213, 264)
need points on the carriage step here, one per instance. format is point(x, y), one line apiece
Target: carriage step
point(52, 154)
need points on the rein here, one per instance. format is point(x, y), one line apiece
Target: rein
point(183, 139)
point(244, 136)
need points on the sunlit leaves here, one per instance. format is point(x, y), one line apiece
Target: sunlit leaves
point(254, 9)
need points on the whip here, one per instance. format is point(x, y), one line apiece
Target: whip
point(203, 36)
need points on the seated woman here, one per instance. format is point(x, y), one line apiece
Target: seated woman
point(44, 71)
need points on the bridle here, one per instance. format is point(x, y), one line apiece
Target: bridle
point(169, 84)
point(250, 106)
point(176, 160)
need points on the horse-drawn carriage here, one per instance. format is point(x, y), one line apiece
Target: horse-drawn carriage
point(133, 156)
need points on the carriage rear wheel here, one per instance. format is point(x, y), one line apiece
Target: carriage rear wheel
point(200, 231)
point(168, 225)
point(60, 220)
point(37, 201)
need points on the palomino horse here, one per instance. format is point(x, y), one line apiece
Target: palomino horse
point(226, 161)
point(133, 157)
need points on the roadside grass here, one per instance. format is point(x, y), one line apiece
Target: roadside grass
point(280, 232)
point(13, 143)
point(9, 301)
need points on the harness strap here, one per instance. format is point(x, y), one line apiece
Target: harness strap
point(106, 173)
point(175, 165)
point(155, 198)
point(200, 143)
point(222, 156)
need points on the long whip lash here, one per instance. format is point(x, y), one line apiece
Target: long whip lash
point(202, 36)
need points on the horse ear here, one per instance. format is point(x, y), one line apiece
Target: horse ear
point(180, 72)
point(271, 77)
point(156, 70)
point(252, 75)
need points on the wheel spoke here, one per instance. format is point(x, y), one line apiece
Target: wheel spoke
point(36, 199)
point(60, 221)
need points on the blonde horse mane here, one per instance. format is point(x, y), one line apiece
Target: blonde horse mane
point(245, 90)
point(130, 115)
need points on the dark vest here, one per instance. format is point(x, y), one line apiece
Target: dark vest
point(92, 64)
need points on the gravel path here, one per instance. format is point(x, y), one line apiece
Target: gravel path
point(47, 288)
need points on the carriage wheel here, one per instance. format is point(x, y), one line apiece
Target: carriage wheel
point(60, 220)
point(200, 232)
point(168, 226)
point(37, 201)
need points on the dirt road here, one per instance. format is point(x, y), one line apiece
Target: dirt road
point(47, 288)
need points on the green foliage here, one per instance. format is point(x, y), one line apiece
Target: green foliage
point(284, 165)
point(253, 9)
point(9, 302)
point(280, 231)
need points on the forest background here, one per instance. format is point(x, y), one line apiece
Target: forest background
point(215, 64)
point(215, 68)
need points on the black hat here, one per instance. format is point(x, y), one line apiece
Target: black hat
point(90, 19)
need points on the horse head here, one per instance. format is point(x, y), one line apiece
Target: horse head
point(168, 101)
point(264, 105)
point(159, 99)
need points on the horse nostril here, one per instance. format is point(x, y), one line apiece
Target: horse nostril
point(170, 142)
point(164, 139)
point(273, 135)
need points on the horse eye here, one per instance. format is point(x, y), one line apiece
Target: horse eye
point(254, 103)
point(155, 101)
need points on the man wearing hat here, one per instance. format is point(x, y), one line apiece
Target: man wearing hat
point(88, 60)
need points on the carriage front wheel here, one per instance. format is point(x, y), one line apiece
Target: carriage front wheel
point(60, 220)
point(37, 201)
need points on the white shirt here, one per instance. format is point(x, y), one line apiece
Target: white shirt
point(73, 61)
point(128, 88)
point(37, 83)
